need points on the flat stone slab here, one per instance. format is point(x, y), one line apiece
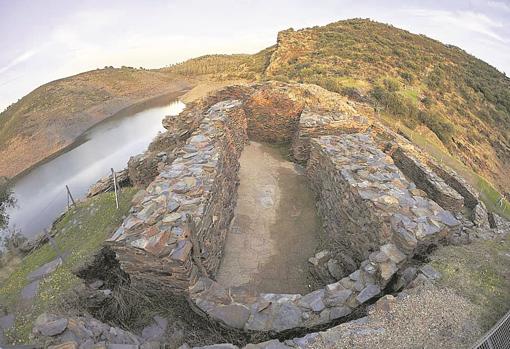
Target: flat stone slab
point(7, 321)
point(45, 270)
point(30, 291)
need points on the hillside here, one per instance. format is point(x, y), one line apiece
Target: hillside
point(416, 84)
point(53, 115)
point(455, 105)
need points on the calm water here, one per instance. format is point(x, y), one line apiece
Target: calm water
point(41, 194)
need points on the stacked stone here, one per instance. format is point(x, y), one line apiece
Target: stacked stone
point(319, 123)
point(191, 201)
point(365, 201)
point(427, 180)
point(105, 184)
point(371, 209)
point(459, 184)
point(272, 114)
point(143, 168)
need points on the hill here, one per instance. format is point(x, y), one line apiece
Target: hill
point(53, 115)
point(452, 104)
point(419, 86)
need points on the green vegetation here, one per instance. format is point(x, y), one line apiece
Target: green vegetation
point(6, 200)
point(224, 67)
point(80, 232)
point(410, 78)
point(478, 272)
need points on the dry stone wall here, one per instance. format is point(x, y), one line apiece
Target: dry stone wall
point(365, 201)
point(188, 206)
point(318, 123)
point(427, 180)
point(371, 209)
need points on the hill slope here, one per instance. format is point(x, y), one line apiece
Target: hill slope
point(53, 115)
point(429, 91)
point(413, 82)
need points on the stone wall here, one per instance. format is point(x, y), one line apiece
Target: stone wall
point(177, 229)
point(427, 180)
point(471, 197)
point(272, 115)
point(318, 123)
point(365, 201)
point(371, 210)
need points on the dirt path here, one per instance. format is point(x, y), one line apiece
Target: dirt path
point(275, 228)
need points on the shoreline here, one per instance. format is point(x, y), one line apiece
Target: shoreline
point(133, 108)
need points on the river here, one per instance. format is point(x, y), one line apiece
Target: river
point(41, 194)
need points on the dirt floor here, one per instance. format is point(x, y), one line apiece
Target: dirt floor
point(275, 228)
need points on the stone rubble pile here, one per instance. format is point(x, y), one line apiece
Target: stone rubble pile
point(154, 244)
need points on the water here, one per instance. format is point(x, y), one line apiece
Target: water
point(41, 194)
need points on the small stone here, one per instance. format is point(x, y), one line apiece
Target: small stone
point(430, 272)
point(233, 315)
point(393, 253)
point(334, 269)
point(65, 345)
point(368, 292)
point(313, 300)
point(338, 312)
point(172, 217)
point(50, 325)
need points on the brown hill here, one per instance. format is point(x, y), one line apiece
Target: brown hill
point(418, 85)
point(53, 115)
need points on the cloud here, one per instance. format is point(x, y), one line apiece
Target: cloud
point(467, 21)
point(20, 59)
point(499, 5)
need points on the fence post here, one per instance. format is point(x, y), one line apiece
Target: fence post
point(69, 196)
point(115, 188)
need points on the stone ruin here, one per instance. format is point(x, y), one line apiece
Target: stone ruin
point(380, 200)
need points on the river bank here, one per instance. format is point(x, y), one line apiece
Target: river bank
point(35, 154)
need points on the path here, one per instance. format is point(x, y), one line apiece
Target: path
point(275, 228)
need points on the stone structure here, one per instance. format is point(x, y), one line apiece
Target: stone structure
point(427, 180)
point(376, 219)
point(365, 201)
point(190, 204)
point(105, 184)
point(471, 197)
point(318, 123)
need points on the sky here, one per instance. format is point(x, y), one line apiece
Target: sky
point(46, 40)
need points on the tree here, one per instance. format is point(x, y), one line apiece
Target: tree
point(6, 200)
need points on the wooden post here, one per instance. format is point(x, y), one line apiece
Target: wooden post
point(69, 196)
point(115, 188)
point(53, 244)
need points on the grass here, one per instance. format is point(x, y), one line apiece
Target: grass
point(479, 272)
point(80, 232)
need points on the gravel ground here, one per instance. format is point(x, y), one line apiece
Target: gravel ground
point(427, 317)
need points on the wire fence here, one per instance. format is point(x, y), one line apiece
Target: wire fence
point(498, 337)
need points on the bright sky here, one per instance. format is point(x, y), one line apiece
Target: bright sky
point(46, 40)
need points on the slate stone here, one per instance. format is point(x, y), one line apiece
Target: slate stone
point(338, 312)
point(367, 293)
point(45, 270)
point(430, 272)
point(233, 315)
point(30, 291)
point(50, 325)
